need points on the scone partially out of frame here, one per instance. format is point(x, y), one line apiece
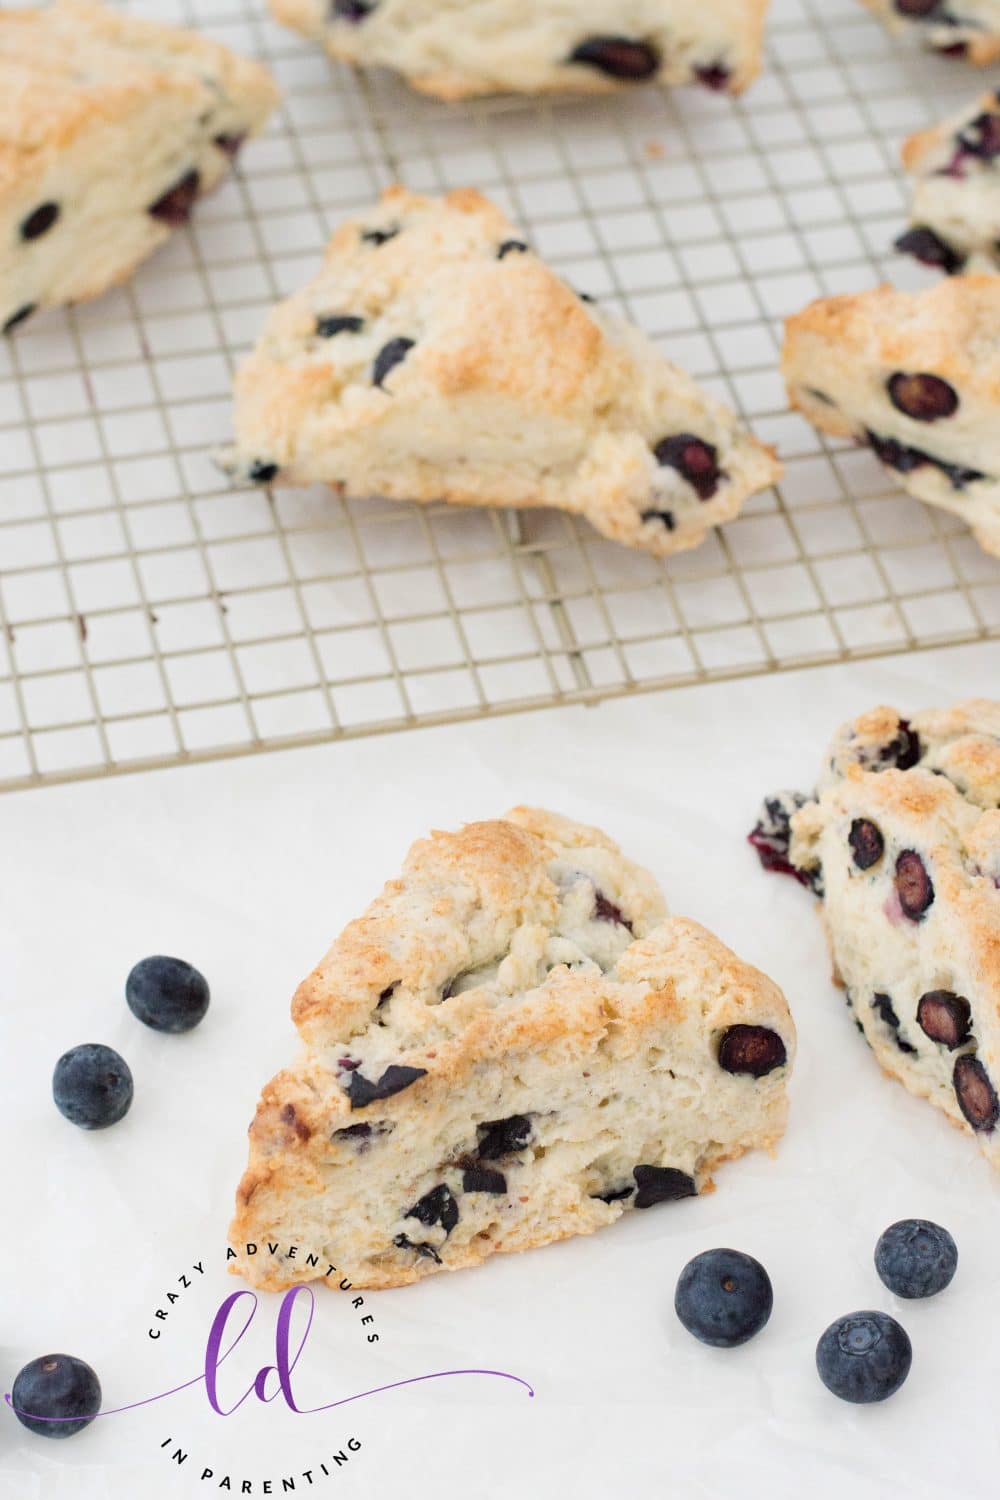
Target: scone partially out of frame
point(513, 1045)
point(457, 48)
point(955, 167)
point(110, 128)
point(961, 28)
point(916, 375)
point(437, 358)
point(901, 841)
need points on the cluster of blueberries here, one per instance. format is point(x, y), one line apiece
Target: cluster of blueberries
point(57, 1395)
point(724, 1297)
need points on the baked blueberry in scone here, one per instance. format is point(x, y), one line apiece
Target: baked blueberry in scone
point(916, 376)
point(955, 167)
point(111, 128)
point(960, 28)
point(436, 357)
point(513, 1045)
point(902, 841)
point(458, 48)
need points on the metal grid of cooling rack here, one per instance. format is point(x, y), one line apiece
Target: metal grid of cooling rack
point(151, 614)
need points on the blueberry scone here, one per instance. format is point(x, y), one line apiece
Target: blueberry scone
point(960, 28)
point(435, 357)
point(916, 375)
point(513, 1045)
point(955, 167)
point(457, 48)
point(901, 841)
point(110, 129)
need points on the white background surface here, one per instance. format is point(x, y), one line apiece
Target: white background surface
point(249, 869)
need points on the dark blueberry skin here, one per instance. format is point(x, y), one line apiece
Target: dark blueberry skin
point(616, 1195)
point(715, 77)
point(39, 221)
point(905, 460)
point(882, 1005)
point(174, 206)
point(917, 9)
point(261, 472)
point(864, 1357)
point(483, 1180)
point(504, 1137)
point(21, 316)
point(751, 1049)
point(394, 1080)
point(913, 885)
point(930, 249)
point(665, 517)
point(905, 750)
point(925, 398)
point(977, 1098)
point(512, 247)
point(723, 1297)
point(389, 356)
point(167, 993)
point(660, 1185)
point(229, 145)
point(352, 10)
point(916, 1258)
point(436, 1207)
point(772, 837)
point(618, 57)
point(981, 137)
point(607, 911)
point(945, 1017)
point(695, 460)
point(56, 1395)
point(378, 237)
point(867, 843)
point(328, 328)
point(92, 1086)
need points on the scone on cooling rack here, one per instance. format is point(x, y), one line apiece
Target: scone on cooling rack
point(437, 358)
point(467, 47)
point(513, 1045)
point(901, 841)
point(916, 375)
point(955, 168)
point(110, 129)
point(960, 28)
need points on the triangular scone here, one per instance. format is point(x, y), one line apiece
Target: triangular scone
point(916, 375)
point(902, 843)
point(961, 28)
point(955, 167)
point(513, 1045)
point(436, 357)
point(458, 48)
point(110, 128)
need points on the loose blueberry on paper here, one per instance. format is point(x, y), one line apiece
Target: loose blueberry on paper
point(167, 994)
point(916, 1258)
point(56, 1395)
point(92, 1086)
point(723, 1297)
point(864, 1357)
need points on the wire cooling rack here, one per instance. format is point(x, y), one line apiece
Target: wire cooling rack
point(150, 613)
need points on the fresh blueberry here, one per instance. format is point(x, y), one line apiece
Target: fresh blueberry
point(916, 1258)
point(92, 1086)
point(56, 1395)
point(39, 221)
point(167, 993)
point(864, 1357)
point(174, 206)
point(723, 1297)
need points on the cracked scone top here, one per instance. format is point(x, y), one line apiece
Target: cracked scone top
point(110, 128)
point(961, 28)
point(916, 375)
point(902, 842)
point(436, 357)
point(514, 1044)
point(955, 167)
point(458, 48)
